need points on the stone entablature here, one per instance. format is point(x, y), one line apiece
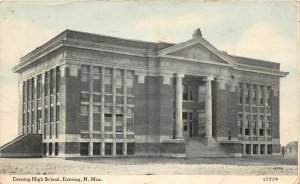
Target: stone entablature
point(149, 53)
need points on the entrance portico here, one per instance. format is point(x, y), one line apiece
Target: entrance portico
point(179, 123)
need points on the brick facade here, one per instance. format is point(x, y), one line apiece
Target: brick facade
point(118, 97)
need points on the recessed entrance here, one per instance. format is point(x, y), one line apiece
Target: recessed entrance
point(187, 118)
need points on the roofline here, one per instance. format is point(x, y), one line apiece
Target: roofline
point(254, 59)
point(107, 36)
point(58, 41)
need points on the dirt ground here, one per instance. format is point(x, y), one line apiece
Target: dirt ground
point(150, 166)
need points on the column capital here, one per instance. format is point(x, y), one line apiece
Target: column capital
point(179, 75)
point(209, 78)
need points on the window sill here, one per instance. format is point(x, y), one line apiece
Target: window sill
point(188, 101)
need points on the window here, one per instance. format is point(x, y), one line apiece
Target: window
point(96, 117)
point(255, 149)
point(262, 149)
point(248, 149)
point(51, 81)
point(56, 130)
point(269, 149)
point(247, 125)
point(108, 71)
point(119, 148)
point(129, 86)
point(24, 92)
point(254, 94)
point(254, 124)
point(46, 115)
point(56, 149)
point(119, 85)
point(32, 118)
point(129, 111)
point(97, 97)
point(28, 118)
point(57, 113)
point(201, 96)
point(129, 119)
point(50, 148)
point(240, 93)
point(268, 125)
point(84, 148)
point(45, 131)
point(108, 112)
point(46, 83)
point(32, 89)
point(268, 97)
point(84, 118)
point(84, 77)
point(108, 80)
point(28, 90)
point(57, 79)
point(108, 119)
point(119, 73)
point(24, 119)
point(187, 118)
point(240, 122)
point(187, 93)
point(96, 70)
point(39, 86)
point(108, 148)
point(50, 131)
point(130, 148)
point(119, 119)
point(39, 119)
point(261, 95)
point(130, 74)
point(44, 149)
point(96, 148)
point(247, 94)
point(97, 79)
point(51, 114)
point(260, 126)
point(85, 96)
point(119, 112)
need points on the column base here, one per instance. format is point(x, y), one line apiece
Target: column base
point(209, 141)
point(179, 138)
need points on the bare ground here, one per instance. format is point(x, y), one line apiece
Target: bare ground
point(150, 166)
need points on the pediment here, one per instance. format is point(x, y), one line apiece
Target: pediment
point(197, 52)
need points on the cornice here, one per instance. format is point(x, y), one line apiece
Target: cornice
point(29, 60)
point(274, 73)
point(58, 43)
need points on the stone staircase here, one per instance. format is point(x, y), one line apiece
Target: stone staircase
point(26, 145)
point(195, 148)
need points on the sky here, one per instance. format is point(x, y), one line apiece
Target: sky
point(262, 30)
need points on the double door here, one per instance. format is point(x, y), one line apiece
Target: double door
point(187, 119)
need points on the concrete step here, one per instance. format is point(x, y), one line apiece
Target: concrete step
point(195, 148)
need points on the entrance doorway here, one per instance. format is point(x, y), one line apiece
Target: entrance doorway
point(187, 118)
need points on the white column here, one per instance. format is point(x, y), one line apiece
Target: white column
point(114, 81)
point(178, 127)
point(125, 112)
point(91, 111)
point(208, 108)
point(102, 109)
